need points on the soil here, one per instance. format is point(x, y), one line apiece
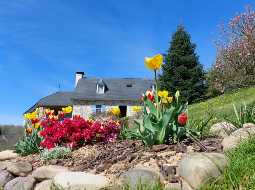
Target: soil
point(113, 158)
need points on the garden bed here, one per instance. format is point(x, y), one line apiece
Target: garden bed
point(114, 158)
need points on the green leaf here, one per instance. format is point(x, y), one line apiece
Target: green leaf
point(151, 106)
point(163, 124)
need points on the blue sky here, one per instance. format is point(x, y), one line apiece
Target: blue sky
point(44, 42)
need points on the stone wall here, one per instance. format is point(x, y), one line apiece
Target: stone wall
point(86, 110)
point(83, 110)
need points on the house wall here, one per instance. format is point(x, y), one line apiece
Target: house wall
point(86, 110)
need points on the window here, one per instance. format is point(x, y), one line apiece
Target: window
point(153, 87)
point(98, 108)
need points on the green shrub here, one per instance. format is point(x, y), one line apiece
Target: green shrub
point(55, 153)
point(29, 144)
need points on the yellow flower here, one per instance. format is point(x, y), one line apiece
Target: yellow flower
point(48, 111)
point(163, 94)
point(37, 125)
point(67, 109)
point(115, 111)
point(30, 116)
point(136, 108)
point(169, 99)
point(154, 63)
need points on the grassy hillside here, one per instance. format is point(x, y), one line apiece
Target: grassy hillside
point(9, 135)
point(221, 106)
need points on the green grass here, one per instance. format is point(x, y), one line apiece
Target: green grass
point(221, 106)
point(241, 171)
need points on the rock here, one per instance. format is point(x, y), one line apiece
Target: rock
point(5, 177)
point(236, 137)
point(44, 185)
point(3, 165)
point(20, 183)
point(168, 171)
point(137, 176)
point(196, 168)
point(7, 155)
point(249, 125)
point(19, 168)
point(80, 180)
point(48, 172)
point(222, 129)
point(190, 149)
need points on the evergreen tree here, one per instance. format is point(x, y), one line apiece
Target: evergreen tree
point(182, 70)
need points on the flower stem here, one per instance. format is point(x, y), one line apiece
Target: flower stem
point(156, 94)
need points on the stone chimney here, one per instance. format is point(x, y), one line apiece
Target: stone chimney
point(78, 76)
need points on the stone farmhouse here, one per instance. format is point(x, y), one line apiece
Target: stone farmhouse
point(96, 95)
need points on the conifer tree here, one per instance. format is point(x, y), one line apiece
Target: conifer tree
point(182, 70)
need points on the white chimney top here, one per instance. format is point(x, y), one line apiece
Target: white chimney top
point(78, 76)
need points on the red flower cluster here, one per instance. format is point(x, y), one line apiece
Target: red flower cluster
point(77, 131)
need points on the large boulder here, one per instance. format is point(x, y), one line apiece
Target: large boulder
point(236, 137)
point(140, 175)
point(80, 180)
point(44, 185)
point(197, 168)
point(19, 168)
point(249, 125)
point(7, 155)
point(5, 177)
point(3, 165)
point(222, 129)
point(48, 172)
point(20, 183)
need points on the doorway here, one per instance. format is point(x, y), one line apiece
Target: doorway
point(123, 111)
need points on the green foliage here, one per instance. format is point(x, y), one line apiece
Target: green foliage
point(55, 153)
point(222, 106)
point(157, 126)
point(241, 170)
point(182, 70)
point(245, 114)
point(29, 144)
point(201, 126)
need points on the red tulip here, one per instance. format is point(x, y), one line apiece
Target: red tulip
point(150, 95)
point(182, 119)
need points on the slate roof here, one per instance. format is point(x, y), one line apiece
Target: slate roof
point(116, 89)
point(56, 99)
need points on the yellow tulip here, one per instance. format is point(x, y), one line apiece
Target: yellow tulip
point(169, 99)
point(67, 109)
point(136, 108)
point(30, 116)
point(37, 125)
point(163, 94)
point(115, 111)
point(154, 63)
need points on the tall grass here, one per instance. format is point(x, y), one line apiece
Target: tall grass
point(222, 106)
